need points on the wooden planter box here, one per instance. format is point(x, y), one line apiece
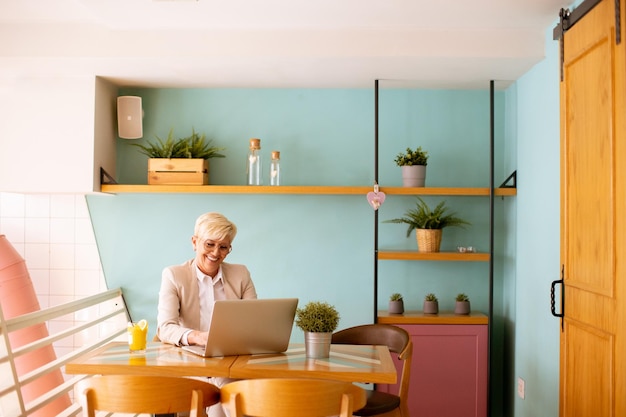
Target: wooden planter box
point(178, 171)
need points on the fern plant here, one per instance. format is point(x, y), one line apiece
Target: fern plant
point(194, 146)
point(423, 217)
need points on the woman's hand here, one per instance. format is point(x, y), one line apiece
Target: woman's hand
point(198, 338)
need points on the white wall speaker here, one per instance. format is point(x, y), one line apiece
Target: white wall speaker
point(129, 117)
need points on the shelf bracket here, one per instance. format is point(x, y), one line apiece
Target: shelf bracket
point(512, 177)
point(105, 178)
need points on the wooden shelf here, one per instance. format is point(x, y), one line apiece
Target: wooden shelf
point(480, 191)
point(408, 255)
point(306, 189)
point(444, 317)
point(235, 189)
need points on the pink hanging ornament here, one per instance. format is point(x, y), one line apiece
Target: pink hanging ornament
point(376, 198)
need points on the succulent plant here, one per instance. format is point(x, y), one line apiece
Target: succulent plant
point(462, 297)
point(431, 297)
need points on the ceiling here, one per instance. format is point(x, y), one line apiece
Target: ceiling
point(275, 43)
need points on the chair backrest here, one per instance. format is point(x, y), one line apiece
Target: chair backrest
point(395, 338)
point(279, 397)
point(145, 394)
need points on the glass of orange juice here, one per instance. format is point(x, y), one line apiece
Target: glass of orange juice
point(137, 336)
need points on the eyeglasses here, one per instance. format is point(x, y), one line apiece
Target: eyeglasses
point(210, 247)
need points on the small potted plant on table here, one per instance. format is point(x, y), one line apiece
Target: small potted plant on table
point(431, 304)
point(318, 320)
point(396, 304)
point(413, 165)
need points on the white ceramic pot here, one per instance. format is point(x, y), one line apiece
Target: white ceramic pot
point(413, 175)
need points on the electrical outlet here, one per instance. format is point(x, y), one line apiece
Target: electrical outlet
point(521, 388)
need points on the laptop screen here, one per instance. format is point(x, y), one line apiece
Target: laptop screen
point(251, 326)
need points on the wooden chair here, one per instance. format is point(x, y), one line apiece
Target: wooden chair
point(282, 397)
point(399, 342)
point(145, 394)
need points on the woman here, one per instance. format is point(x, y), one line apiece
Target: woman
point(188, 291)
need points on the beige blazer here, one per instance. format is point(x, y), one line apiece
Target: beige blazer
point(179, 303)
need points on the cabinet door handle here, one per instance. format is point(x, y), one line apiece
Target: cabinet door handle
point(552, 297)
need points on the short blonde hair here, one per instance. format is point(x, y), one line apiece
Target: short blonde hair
point(215, 226)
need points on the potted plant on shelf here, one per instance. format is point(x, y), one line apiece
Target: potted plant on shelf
point(183, 161)
point(396, 304)
point(318, 320)
point(431, 304)
point(413, 164)
point(428, 224)
point(462, 305)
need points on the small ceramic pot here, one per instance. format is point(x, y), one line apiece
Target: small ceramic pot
point(413, 175)
point(431, 307)
point(396, 307)
point(462, 307)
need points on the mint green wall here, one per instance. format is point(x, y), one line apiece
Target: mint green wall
point(535, 340)
point(307, 246)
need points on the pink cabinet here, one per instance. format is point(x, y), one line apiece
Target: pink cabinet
point(448, 370)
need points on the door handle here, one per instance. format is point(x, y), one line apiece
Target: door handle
point(561, 282)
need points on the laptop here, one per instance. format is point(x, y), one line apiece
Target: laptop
point(248, 327)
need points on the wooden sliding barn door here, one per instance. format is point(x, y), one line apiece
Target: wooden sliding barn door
point(593, 216)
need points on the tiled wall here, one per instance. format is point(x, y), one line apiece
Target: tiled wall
point(53, 233)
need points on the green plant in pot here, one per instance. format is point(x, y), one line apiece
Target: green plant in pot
point(428, 223)
point(413, 164)
point(182, 161)
point(396, 304)
point(194, 146)
point(318, 320)
point(462, 304)
point(431, 304)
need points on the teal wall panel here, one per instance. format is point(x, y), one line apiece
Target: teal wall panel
point(309, 246)
point(324, 136)
point(535, 351)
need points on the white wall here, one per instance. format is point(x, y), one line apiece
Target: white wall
point(47, 138)
point(53, 233)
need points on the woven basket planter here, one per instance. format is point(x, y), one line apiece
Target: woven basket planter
point(428, 240)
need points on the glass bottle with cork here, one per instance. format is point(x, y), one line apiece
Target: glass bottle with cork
point(275, 168)
point(253, 168)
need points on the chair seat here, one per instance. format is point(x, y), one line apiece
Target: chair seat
point(378, 403)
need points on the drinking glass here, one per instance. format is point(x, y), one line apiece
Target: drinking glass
point(137, 336)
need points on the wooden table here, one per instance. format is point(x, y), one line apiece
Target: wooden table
point(351, 363)
point(160, 359)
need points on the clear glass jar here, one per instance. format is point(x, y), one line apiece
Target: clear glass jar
point(253, 169)
point(275, 168)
